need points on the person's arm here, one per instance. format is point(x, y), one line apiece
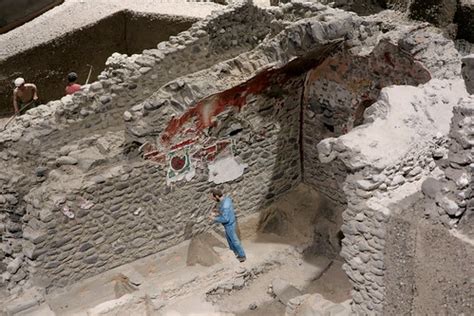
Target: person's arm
point(35, 91)
point(15, 102)
point(224, 217)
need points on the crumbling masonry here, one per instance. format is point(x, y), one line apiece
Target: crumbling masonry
point(373, 114)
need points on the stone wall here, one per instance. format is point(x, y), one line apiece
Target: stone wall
point(385, 176)
point(36, 146)
point(128, 212)
point(337, 93)
point(449, 198)
point(61, 145)
point(129, 80)
point(429, 251)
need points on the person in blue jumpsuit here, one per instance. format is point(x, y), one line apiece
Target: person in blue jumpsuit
point(226, 217)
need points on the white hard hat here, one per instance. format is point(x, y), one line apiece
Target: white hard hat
point(19, 81)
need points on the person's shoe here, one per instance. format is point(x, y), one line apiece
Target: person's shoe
point(241, 259)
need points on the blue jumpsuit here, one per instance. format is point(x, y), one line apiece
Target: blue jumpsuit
point(227, 218)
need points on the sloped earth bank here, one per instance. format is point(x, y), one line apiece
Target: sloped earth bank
point(163, 284)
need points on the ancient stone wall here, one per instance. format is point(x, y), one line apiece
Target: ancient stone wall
point(129, 80)
point(267, 131)
point(378, 226)
point(128, 212)
point(337, 93)
point(37, 145)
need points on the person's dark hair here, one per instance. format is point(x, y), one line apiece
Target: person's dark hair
point(72, 77)
point(217, 192)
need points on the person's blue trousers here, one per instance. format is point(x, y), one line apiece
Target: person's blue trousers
point(233, 240)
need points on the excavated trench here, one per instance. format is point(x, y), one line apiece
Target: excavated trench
point(322, 95)
point(47, 65)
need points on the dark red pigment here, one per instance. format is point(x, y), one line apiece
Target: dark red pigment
point(211, 106)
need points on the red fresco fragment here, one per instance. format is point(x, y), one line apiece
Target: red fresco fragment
point(155, 156)
point(185, 143)
point(210, 153)
point(211, 106)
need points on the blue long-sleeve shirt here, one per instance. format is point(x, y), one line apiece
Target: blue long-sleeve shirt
point(226, 208)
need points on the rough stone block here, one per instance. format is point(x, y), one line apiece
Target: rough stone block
point(14, 265)
point(468, 72)
point(35, 236)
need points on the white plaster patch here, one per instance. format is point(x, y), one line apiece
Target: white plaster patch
point(184, 176)
point(226, 169)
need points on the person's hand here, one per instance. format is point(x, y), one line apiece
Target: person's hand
point(211, 217)
point(35, 98)
point(17, 112)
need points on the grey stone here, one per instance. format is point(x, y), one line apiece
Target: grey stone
point(367, 185)
point(91, 260)
point(398, 180)
point(104, 99)
point(85, 247)
point(127, 116)
point(448, 205)
point(239, 283)
point(144, 70)
point(66, 160)
point(96, 86)
point(41, 171)
point(415, 171)
point(14, 265)
point(431, 187)
point(284, 290)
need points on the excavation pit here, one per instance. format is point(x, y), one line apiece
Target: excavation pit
point(48, 64)
point(322, 127)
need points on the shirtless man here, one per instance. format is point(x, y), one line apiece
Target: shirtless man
point(24, 93)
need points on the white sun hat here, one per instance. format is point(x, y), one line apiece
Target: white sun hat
point(19, 81)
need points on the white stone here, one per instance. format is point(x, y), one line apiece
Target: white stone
point(398, 180)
